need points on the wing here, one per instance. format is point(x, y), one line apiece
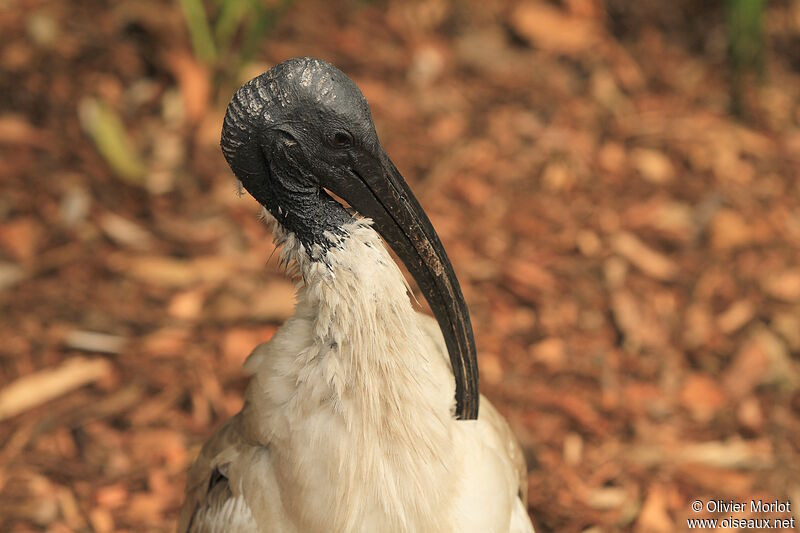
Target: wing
point(490, 415)
point(509, 447)
point(231, 486)
point(213, 502)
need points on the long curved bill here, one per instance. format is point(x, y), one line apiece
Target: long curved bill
point(382, 194)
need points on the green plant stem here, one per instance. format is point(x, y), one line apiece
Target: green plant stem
point(199, 30)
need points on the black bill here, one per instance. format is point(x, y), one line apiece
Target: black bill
point(381, 193)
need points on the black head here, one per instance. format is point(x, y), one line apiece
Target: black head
point(303, 127)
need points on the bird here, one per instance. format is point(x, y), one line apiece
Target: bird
point(361, 413)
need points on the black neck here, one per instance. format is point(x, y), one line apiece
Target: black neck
point(312, 216)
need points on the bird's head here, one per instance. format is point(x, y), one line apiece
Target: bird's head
point(303, 127)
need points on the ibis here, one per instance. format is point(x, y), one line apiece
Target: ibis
point(361, 414)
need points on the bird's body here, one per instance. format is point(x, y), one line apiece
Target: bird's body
point(349, 422)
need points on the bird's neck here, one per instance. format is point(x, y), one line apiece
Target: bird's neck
point(381, 364)
point(357, 392)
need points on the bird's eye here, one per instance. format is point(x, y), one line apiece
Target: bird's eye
point(341, 139)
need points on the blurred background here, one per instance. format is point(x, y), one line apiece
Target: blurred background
point(617, 184)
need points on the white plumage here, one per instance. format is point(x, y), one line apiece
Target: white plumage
point(348, 424)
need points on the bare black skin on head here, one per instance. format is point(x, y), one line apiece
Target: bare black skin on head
point(304, 126)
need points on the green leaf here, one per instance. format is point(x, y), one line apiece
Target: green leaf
point(199, 30)
point(745, 34)
point(105, 128)
point(231, 15)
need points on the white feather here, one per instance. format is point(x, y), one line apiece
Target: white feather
point(348, 423)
